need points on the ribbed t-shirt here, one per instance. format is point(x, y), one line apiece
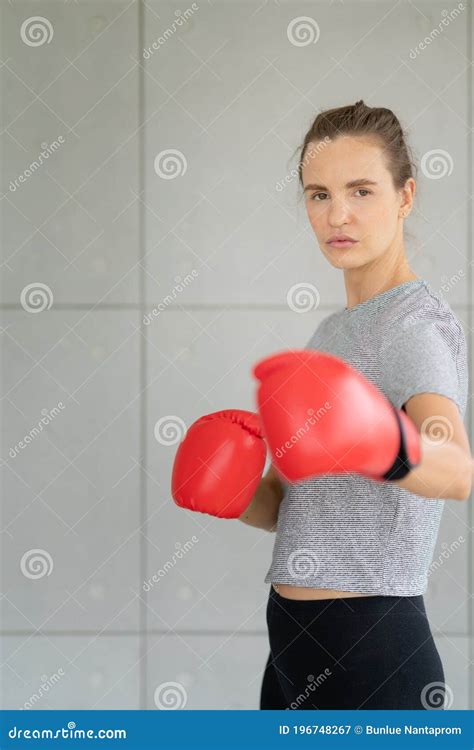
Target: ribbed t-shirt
point(345, 531)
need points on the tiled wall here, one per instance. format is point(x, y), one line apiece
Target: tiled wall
point(139, 287)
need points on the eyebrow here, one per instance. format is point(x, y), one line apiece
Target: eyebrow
point(352, 183)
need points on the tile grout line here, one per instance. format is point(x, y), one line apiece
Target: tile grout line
point(142, 614)
point(144, 307)
point(470, 579)
point(204, 632)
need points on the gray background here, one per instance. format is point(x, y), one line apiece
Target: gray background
point(111, 239)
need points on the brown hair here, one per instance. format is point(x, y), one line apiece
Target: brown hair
point(377, 123)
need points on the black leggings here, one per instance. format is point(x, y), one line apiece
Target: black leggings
point(351, 653)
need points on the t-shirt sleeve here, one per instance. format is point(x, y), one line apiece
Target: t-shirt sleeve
point(425, 359)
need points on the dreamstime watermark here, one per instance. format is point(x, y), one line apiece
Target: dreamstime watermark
point(437, 696)
point(180, 552)
point(312, 684)
point(313, 418)
point(44, 154)
point(451, 281)
point(46, 684)
point(36, 31)
point(170, 163)
point(36, 563)
point(36, 297)
point(169, 430)
point(46, 419)
point(181, 19)
point(437, 430)
point(170, 696)
point(303, 297)
point(179, 287)
point(310, 152)
point(448, 550)
point(302, 563)
point(302, 31)
point(436, 164)
point(447, 17)
point(71, 731)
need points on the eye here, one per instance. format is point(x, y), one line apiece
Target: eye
point(363, 190)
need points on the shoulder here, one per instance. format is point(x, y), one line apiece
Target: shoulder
point(424, 350)
point(325, 330)
point(422, 321)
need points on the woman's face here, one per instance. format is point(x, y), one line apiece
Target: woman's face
point(340, 200)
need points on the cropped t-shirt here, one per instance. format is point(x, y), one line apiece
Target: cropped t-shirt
point(345, 531)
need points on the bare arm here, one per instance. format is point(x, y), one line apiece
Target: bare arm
point(263, 509)
point(446, 466)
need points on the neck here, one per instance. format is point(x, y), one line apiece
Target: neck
point(364, 283)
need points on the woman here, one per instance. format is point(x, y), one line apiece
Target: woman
point(346, 617)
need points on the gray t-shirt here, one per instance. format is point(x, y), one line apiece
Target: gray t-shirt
point(345, 531)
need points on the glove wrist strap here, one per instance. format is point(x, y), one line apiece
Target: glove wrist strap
point(402, 465)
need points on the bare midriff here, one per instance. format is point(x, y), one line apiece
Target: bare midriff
point(301, 592)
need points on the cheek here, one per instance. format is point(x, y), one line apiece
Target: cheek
point(381, 212)
point(315, 217)
point(383, 223)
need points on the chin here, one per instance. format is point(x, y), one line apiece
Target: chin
point(345, 259)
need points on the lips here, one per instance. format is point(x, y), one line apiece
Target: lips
point(342, 242)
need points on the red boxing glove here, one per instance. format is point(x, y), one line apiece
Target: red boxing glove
point(321, 416)
point(219, 463)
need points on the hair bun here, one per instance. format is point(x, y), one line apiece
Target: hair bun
point(360, 120)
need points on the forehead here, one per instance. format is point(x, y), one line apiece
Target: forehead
point(342, 160)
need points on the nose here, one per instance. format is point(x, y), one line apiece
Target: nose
point(338, 212)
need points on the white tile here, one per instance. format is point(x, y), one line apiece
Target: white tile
point(439, 248)
point(218, 206)
point(73, 223)
point(215, 582)
point(202, 360)
point(72, 491)
point(447, 596)
point(221, 672)
point(201, 60)
point(455, 656)
point(70, 672)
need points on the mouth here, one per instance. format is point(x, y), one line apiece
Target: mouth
point(342, 243)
